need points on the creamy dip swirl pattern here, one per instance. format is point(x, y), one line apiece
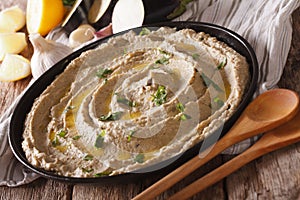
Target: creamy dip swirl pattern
point(134, 101)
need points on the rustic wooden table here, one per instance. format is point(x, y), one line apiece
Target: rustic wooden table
point(274, 176)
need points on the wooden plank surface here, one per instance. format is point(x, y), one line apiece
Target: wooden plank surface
point(274, 176)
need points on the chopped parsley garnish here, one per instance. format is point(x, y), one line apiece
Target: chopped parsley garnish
point(184, 117)
point(162, 61)
point(100, 140)
point(140, 158)
point(68, 108)
point(219, 102)
point(103, 73)
point(102, 174)
point(55, 142)
point(76, 137)
point(87, 170)
point(129, 136)
point(222, 64)
point(62, 133)
point(125, 51)
point(209, 82)
point(163, 52)
point(145, 31)
point(180, 107)
point(160, 96)
point(88, 157)
point(195, 56)
point(126, 102)
point(111, 116)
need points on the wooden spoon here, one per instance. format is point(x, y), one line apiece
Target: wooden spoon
point(282, 136)
point(267, 111)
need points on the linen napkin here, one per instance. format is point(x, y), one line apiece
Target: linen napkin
point(267, 26)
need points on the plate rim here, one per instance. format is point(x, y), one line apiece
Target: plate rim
point(127, 176)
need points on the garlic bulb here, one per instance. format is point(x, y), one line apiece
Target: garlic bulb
point(59, 35)
point(46, 54)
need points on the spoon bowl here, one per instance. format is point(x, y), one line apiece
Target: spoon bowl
point(272, 105)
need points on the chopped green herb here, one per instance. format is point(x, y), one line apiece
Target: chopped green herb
point(88, 157)
point(209, 82)
point(180, 107)
point(111, 116)
point(76, 137)
point(195, 56)
point(126, 102)
point(55, 142)
point(139, 158)
point(103, 73)
point(87, 170)
point(132, 104)
point(102, 174)
point(125, 51)
point(99, 141)
point(160, 96)
point(163, 52)
point(219, 102)
point(184, 117)
point(162, 61)
point(62, 133)
point(145, 31)
point(222, 64)
point(68, 108)
point(129, 136)
point(103, 132)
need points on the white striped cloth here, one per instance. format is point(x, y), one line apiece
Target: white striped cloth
point(267, 26)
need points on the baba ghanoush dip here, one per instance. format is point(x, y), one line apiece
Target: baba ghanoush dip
point(134, 101)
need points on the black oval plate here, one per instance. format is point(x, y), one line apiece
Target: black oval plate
point(17, 122)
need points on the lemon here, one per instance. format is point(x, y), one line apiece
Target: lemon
point(43, 15)
point(14, 67)
point(12, 19)
point(12, 43)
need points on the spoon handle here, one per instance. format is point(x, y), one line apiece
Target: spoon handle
point(245, 127)
point(242, 130)
point(177, 175)
point(273, 140)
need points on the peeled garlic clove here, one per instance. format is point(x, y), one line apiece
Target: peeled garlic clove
point(46, 54)
point(59, 35)
point(81, 35)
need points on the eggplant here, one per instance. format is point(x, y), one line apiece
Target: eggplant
point(154, 11)
point(127, 14)
point(158, 10)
